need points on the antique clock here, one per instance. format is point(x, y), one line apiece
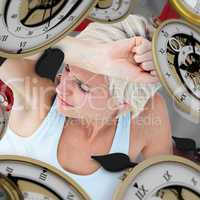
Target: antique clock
point(161, 178)
point(188, 9)
point(176, 51)
point(110, 11)
point(23, 178)
point(28, 26)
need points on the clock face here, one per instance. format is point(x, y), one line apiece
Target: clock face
point(38, 181)
point(188, 9)
point(27, 26)
point(111, 10)
point(193, 5)
point(176, 47)
point(161, 178)
point(3, 120)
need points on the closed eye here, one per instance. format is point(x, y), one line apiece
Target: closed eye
point(84, 88)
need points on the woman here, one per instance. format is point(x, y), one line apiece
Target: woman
point(93, 114)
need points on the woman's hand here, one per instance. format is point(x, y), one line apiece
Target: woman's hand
point(143, 55)
point(129, 59)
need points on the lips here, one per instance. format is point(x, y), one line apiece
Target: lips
point(63, 102)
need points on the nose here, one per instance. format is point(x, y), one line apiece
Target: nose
point(64, 89)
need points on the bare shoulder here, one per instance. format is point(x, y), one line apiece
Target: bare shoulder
point(32, 94)
point(153, 128)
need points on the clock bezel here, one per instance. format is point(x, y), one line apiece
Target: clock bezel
point(181, 106)
point(40, 164)
point(185, 12)
point(55, 39)
point(114, 21)
point(122, 187)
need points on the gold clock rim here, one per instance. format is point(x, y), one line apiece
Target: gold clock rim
point(181, 106)
point(114, 21)
point(9, 187)
point(186, 13)
point(120, 191)
point(55, 39)
point(50, 168)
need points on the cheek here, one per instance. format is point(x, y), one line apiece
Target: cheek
point(99, 100)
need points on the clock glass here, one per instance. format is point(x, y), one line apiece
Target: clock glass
point(161, 178)
point(39, 181)
point(109, 11)
point(29, 25)
point(176, 46)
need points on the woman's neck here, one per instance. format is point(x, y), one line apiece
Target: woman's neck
point(92, 128)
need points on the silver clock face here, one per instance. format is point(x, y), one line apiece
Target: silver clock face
point(38, 181)
point(3, 119)
point(167, 179)
point(28, 25)
point(193, 5)
point(111, 10)
point(177, 58)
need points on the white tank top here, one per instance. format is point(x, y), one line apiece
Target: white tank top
point(43, 145)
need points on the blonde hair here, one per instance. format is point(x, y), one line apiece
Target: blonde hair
point(136, 94)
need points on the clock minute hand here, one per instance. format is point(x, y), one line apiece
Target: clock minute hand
point(193, 43)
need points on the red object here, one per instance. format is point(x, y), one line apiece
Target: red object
point(168, 13)
point(7, 93)
point(83, 25)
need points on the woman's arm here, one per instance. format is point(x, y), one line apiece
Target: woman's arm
point(157, 133)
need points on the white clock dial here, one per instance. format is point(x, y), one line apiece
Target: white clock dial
point(3, 120)
point(156, 178)
point(177, 58)
point(39, 181)
point(193, 5)
point(188, 9)
point(27, 26)
point(111, 10)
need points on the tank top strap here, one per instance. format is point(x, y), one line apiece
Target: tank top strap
point(122, 136)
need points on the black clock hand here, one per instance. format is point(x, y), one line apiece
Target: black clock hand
point(193, 43)
point(114, 162)
point(43, 5)
point(51, 10)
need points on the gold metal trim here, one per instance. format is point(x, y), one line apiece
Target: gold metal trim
point(29, 161)
point(181, 106)
point(120, 191)
point(114, 21)
point(185, 12)
point(10, 188)
point(54, 40)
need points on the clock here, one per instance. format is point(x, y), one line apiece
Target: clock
point(188, 9)
point(28, 26)
point(6, 103)
point(176, 52)
point(161, 178)
point(110, 11)
point(35, 180)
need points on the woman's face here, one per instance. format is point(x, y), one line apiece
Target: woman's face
point(84, 95)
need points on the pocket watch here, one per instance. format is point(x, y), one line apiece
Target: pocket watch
point(6, 103)
point(28, 26)
point(110, 11)
point(161, 178)
point(176, 52)
point(35, 180)
point(188, 9)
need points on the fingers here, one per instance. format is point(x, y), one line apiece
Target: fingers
point(144, 57)
point(147, 66)
point(134, 73)
point(142, 46)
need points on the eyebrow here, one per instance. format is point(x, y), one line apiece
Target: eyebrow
point(80, 80)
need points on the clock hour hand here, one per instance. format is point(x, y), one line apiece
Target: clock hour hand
point(193, 43)
point(114, 162)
